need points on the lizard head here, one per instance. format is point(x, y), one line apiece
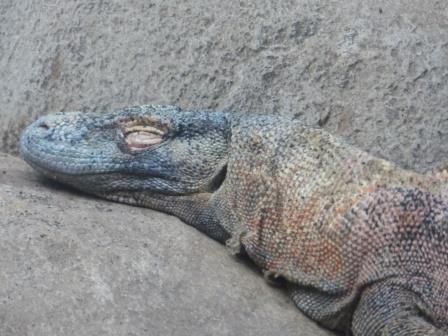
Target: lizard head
point(149, 149)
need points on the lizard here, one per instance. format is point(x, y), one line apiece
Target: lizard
point(360, 243)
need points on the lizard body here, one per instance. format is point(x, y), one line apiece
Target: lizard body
point(361, 242)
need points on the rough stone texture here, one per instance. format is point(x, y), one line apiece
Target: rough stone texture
point(374, 72)
point(74, 265)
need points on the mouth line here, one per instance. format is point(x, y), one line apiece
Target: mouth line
point(45, 170)
point(69, 171)
point(64, 178)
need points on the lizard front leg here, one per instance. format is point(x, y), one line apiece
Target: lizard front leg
point(387, 309)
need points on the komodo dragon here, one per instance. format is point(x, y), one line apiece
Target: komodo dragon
point(361, 244)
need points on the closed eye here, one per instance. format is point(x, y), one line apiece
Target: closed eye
point(142, 137)
point(142, 140)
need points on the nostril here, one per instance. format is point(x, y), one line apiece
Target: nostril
point(44, 125)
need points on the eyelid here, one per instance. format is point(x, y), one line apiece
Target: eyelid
point(140, 128)
point(142, 140)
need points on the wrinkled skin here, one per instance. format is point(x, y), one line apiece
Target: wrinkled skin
point(360, 242)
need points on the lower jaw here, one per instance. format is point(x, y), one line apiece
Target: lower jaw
point(118, 198)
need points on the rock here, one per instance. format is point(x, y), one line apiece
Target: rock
point(75, 265)
point(373, 72)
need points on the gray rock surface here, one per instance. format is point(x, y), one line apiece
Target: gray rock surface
point(375, 72)
point(74, 265)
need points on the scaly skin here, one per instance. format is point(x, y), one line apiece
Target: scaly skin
point(361, 243)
